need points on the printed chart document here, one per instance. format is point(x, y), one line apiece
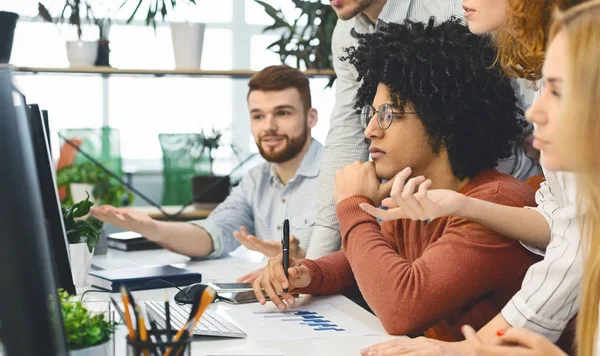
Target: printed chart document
point(311, 321)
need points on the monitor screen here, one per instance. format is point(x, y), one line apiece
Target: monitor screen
point(29, 313)
point(47, 127)
point(50, 201)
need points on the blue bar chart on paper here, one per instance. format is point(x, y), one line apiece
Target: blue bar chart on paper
point(309, 322)
point(307, 318)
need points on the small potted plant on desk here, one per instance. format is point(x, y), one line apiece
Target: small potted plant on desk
point(88, 179)
point(202, 149)
point(87, 334)
point(83, 235)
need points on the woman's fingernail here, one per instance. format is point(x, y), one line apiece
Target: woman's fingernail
point(500, 332)
point(290, 301)
point(281, 307)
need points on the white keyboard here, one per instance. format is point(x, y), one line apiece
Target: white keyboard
point(210, 324)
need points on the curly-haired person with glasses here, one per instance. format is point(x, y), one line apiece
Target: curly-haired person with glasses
point(428, 101)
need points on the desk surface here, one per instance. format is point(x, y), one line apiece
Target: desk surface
point(190, 213)
point(227, 270)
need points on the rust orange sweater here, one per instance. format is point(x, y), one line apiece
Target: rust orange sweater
point(431, 278)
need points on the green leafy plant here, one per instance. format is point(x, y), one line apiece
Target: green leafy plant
point(71, 12)
point(78, 229)
point(82, 328)
point(307, 38)
point(106, 189)
point(203, 146)
point(154, 7)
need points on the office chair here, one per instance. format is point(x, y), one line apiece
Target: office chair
point(101, 143)
point(181, 163)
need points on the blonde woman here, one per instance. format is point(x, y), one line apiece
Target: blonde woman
point(566, 133)
point(568, 129)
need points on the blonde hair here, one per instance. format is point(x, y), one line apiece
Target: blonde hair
point(580, 132)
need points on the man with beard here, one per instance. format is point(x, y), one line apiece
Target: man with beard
point(281, 117)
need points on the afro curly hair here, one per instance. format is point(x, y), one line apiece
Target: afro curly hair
point(465, 103)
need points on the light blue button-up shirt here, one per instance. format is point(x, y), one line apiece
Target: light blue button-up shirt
point(261, 202)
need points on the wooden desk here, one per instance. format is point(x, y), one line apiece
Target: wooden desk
point(190, 213)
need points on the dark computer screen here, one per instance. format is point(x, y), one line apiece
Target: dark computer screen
point(50, 201)
point(29, 312)
point(47, 127)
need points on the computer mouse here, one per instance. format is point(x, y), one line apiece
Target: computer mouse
point(190, 294)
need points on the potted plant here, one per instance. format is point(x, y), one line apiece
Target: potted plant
point(310, 43)
point(87, 179)
point(87, 334)
point(81, 53)
point(187, 37)
point(8, 22)
point(83, 235)
point(202, 149)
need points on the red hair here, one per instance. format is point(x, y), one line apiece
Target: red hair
point(522, 40)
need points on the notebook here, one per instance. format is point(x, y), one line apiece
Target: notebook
point(130, 241)
point(143, 278)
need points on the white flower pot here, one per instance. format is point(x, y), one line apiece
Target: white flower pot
point(82, 53)
point(98, 350)
point(81, 261)
point(78, 191)
point(188, 39)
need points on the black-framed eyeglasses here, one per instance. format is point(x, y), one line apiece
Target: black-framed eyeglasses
point(385, 115)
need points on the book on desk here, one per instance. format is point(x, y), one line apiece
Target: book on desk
point(143, 278)
point(130, 241)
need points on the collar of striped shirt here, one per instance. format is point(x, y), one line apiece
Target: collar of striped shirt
point(417, 10)
point(309, 167)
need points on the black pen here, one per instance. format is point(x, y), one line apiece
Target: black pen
point(167, 317)
point(285, 247)
point(118, 308)
point(154, 332)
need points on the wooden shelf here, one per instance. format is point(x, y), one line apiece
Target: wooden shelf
point(157, 72)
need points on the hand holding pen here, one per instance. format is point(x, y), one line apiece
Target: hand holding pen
point(272, 281)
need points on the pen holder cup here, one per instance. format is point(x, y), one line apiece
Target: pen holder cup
point(156, 346)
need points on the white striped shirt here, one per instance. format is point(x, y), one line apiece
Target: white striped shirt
point(550, 293)
point(345, 140)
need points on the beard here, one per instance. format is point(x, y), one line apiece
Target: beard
point(291, 147)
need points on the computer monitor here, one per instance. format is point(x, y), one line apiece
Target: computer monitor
point(29, 309)
point(47, 127)
point(50, 201)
